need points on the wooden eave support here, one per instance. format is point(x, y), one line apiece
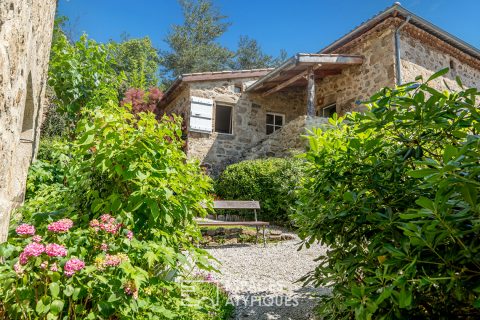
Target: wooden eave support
point(311, 93)
point(285, 84)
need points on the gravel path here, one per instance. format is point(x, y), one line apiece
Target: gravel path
point(262, 281)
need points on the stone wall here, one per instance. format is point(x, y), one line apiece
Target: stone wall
point(217, 150)
point(422, 54)
point(25, 38)
point(358, 83)
point(287, 141)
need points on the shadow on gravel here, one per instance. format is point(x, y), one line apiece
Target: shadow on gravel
point(296, 305)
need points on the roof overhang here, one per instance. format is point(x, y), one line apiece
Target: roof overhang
point(293, 72)
point(400, 12)
point(180, 82)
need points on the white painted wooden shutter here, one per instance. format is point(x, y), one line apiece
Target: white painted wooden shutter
point(201, 111)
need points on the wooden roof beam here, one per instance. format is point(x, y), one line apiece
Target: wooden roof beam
point(330, 59)
point(289, 81)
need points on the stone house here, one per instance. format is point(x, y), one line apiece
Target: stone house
point(25, 38)
point(246, 114)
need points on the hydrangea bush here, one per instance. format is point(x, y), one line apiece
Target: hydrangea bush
point(54, 273)
point(100, 271)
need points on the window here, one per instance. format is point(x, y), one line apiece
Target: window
point(28, 114)
point(237, 88)
point(452, 65)
point(453, 70)
point(274, 122)
point(327, 111)
point(223, 119)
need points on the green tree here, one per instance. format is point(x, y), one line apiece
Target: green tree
point(192, 45)
point(394, 195)
point(249, 55)
point(139, 60)
point(76, 72)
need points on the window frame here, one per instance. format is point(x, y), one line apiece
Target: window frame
point(274, 114)
point(328, 106)
point(215, 118)
point(239, 87)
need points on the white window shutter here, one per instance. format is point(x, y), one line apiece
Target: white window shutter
point(201, 111)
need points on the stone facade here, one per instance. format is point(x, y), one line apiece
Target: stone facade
point(421, 54)
point(358, 83)
point(217, 150)
point(288, 141)
point(25, 38)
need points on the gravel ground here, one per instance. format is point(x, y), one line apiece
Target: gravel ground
point(263, 281)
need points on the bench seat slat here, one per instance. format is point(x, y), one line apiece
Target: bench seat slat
point(234, 223)
point(226, 204)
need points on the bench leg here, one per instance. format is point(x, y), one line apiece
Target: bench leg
point(256, 235)
point(264, 238)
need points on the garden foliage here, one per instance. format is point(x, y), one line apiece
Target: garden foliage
point(107, 229)
point(394, 194)
point(77, 72)
point(271, 181)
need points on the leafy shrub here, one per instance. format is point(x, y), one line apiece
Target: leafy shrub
point(133, 168)
point(50, 167)
point(128, 166)
point(55, 123)
point(394, 193)
point(270, 181)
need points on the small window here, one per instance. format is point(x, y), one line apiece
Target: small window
point(274, 122)
point(452, 65)
point(453, 71)
point(237, 88)
point(223, 119)
point(327, 111)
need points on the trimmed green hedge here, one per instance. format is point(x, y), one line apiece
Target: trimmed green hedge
point(271, 181)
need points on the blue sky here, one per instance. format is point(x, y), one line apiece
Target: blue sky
point(296, 26)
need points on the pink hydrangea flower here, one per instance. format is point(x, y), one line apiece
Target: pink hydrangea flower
point(109, 227)
point(105, 218)
point(62, 225)
point(73, 265)
point(44, 265)
point(129, 235)
point(23, 258)
point(37, 238)
point(34, 249)
point(25, 230)
point(114, 260)
point(55, 250)
point(54, 267)
point(95, 224)
point(104, 247)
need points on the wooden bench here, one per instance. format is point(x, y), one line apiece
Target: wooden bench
point(238, 205)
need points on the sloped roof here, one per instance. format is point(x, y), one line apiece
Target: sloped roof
point(268, 77)
point(209, 76)
point(397, 10)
